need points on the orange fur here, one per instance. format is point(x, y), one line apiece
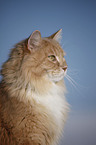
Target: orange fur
point(33, 108)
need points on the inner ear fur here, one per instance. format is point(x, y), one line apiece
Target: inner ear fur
point(57, 35)
point(34, 40)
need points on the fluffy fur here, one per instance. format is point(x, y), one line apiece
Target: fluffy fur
point(33, 108)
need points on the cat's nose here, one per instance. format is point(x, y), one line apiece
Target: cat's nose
point(64, 68)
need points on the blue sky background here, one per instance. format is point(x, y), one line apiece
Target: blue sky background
point(77, 18)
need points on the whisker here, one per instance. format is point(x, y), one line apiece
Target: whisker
point(79, 86)
point(62, 45)
point(73, 73)
point(72, 69)
point(74, 85)
point(71, 81)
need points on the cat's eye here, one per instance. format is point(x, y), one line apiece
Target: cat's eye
point(52, 57)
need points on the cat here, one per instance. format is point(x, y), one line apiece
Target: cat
point(33, 107)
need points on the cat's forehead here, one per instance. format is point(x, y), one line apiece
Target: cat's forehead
point(54, 47)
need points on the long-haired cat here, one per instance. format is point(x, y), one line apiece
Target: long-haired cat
point(33, 108)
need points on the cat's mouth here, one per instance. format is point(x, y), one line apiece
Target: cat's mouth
point(65, 72)
point(56, 76)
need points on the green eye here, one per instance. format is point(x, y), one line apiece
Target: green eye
point(52, 57)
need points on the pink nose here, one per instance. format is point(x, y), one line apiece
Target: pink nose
point(64, 68)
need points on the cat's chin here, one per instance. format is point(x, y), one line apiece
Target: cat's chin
point(57, 78)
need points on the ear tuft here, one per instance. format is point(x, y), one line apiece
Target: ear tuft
point(57, 36)
point(34, 40)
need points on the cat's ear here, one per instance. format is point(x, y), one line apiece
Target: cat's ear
point(34, 40)
point(57, 35)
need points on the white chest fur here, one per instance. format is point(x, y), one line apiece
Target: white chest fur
point(54, 101)
point(55, 105)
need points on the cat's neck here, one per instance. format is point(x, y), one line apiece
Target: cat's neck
point(27, 90)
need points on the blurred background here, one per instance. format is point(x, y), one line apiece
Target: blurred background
point(77, 18)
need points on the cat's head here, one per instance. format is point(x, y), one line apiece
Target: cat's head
point(46, 57)
point(37, 57)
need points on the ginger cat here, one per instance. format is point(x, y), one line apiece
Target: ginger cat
point(33, 108)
